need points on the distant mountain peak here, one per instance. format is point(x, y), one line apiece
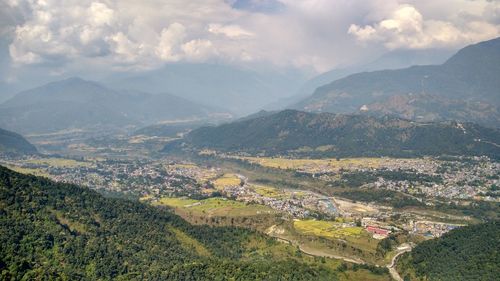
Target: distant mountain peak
point(466, 88)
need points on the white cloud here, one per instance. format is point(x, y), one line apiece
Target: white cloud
point(198, 50)
point(170, 40)
point(406, 27)
point(100, 14)
point(231, 31)
point(309, 34)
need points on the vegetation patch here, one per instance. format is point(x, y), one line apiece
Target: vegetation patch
point(227, 180)
point(216, 206)
point(328, 229)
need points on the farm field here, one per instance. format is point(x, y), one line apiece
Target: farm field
point(28, 171)
point(269, 191)
point(59, 162)
point(215, 207)
point(226, 180)
point(327, 229)
point(314, 165)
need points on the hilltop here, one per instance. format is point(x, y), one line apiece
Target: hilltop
point(465, 88)
point(327, 134)
point(75, 103)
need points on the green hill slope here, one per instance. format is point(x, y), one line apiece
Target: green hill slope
point(327, 135)
point(65, 232)
point(12, 142)
point(466, 88)
point(468, 253)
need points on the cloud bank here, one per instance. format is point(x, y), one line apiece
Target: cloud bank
point(309, 34)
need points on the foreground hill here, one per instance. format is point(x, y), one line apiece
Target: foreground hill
point(64, 232)
point(327, 134)
point(12, 142)
point(79, 104)
point(466, 88)
point(468, 253)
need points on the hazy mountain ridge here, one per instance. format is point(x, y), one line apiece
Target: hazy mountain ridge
point(11, 142)
point(239, 90)
point(79, 104)
point(327, 134)
point(468, 77)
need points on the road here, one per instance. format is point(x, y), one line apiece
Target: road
point(392, 270)
point(316, 254)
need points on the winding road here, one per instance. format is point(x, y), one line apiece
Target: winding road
point(392, 267)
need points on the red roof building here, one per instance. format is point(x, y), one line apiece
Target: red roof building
point(377, 230)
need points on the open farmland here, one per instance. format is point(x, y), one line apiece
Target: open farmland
point(215, 207)
point(314, 165)
point(226, 180)
point(327, 229)
point(59, 162)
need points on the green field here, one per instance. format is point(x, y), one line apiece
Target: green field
point(215, 207)
point(226, 180)
point(327, 229)
point(268, 191)
point(28, 171)
point(314, 165)
point(59, 162)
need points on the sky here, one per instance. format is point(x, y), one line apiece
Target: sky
point(60, 37)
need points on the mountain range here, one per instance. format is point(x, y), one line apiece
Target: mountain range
point(75, 103)
point(297, 133)
point(239, 90)
point(464, 88)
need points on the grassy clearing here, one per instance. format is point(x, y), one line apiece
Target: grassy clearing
point(216, 207)
point(328, 229)
point(28, 171)
point(59, 162)
point(190, 242)
point(269, 191)
point(355, 236)
point(227, 180)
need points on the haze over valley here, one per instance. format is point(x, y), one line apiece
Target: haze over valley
point(250, 140)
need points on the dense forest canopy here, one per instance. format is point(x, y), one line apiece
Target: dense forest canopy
point(468, 253)
point(64, 232)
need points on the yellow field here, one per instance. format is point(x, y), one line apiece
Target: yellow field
point(227, 180)
point(59, 162)
point(28, 171)
point(268, 191)
point(326, 229)
point(183, 166)
point(215, 206)
point(315, 165)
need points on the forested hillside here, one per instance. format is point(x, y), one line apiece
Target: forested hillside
point(13, 142)
point(468, 253)
point(465, 88)
point(64, 232)
point(325, 135)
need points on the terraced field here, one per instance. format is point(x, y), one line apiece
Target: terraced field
point(215, 207)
